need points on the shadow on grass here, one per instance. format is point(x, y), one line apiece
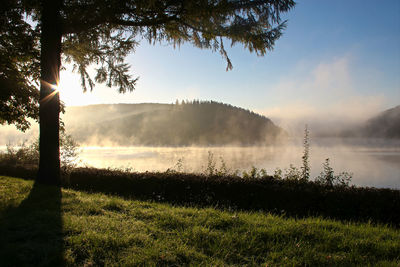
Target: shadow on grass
point(31, 234)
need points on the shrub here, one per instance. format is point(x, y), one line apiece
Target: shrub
point(211, 164)
point(296, 198)
point(328, 177)
point(27, 155)
point(69, 152)
point(278, 174)
point(212, 170)
point(293, 173)
point(254, 173)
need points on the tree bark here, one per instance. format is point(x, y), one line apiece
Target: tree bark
point(49, 105)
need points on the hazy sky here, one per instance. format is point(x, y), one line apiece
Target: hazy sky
point(335, 58)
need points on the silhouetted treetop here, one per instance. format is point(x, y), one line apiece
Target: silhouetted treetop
point(104, 32)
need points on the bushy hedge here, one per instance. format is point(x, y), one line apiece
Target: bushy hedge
point(19, 171)
point(297, 198)
point(290, 197)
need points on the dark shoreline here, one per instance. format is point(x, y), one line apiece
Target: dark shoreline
point(293, 198)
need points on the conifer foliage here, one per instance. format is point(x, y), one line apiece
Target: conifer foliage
point(103, 32)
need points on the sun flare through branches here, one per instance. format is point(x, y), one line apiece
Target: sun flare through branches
point(55, 90)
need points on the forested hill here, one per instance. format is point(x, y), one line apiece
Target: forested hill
point(385, 124)
point(190, 123)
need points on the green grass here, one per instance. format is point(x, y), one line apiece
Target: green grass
point(43, 225)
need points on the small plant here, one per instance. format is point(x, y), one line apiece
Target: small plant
point(179, 165)
point(263, 173)
point(328, 177)
point(211, 164)
point(223, 170)
point(254, 173)
point(305, 169)
point(278, 174)
point(212, 169)
point(251, 174)
point(292, 173)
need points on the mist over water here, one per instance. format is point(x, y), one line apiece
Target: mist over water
point(373, 162)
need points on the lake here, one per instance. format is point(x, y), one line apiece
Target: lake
point(373, 162)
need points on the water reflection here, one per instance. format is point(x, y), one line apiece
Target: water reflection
point(373, 162)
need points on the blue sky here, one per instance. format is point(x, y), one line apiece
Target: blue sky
point(337, 58)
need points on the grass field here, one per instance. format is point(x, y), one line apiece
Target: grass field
point(48, 226)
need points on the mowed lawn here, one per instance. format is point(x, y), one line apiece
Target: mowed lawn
point(46, 226)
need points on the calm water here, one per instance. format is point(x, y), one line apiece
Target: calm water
point(373, 162)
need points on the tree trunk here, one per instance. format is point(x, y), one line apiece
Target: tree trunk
point(49, 108)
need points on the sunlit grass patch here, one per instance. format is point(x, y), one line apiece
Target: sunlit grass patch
point(97, 229)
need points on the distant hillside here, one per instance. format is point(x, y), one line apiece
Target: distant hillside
point(386, 124)
point(194, 123)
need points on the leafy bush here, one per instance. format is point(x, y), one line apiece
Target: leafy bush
point(69, 152)
point(328, 177)
point(212, 170)
point(293, 173)
point(254, 173)
point(27, 155)
point(278, 174)
point(211, 164)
